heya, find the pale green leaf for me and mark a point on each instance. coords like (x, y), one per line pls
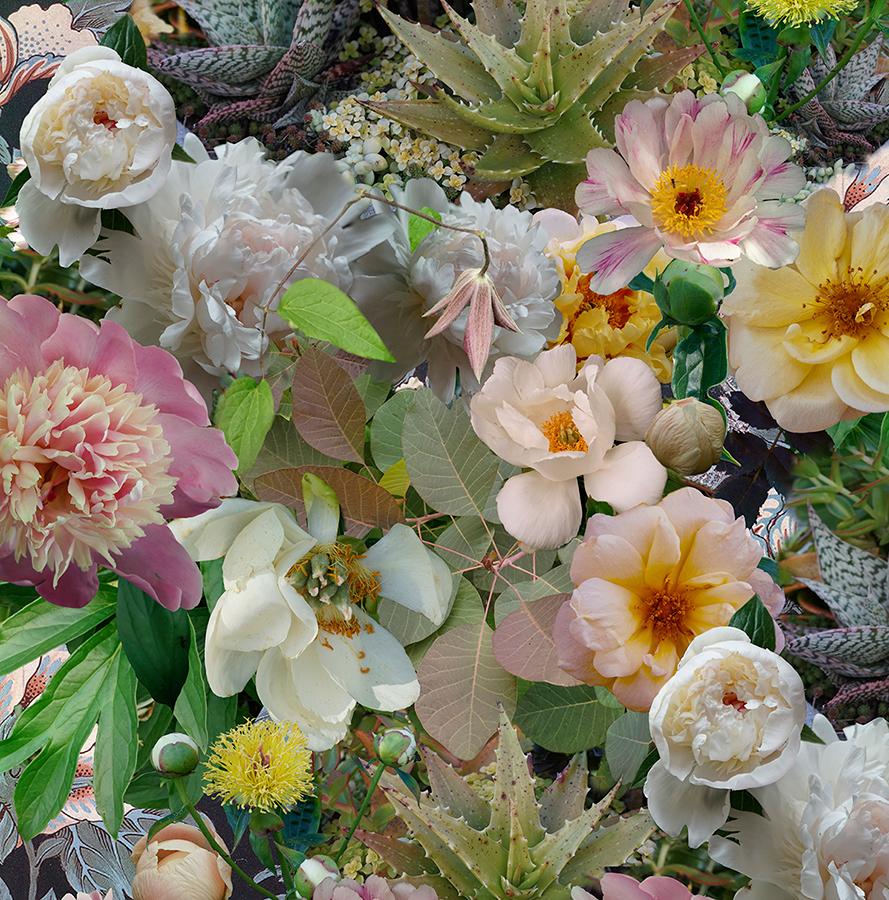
(191, 705)
(245, 414)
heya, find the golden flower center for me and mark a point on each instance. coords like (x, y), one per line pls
(665, 612)
(617, 306)
(563, 434)
(688, 201)
(851, 305)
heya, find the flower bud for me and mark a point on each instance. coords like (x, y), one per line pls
(396, 747)
(313, 871)
(687, 436)
(693, 291)
(748, 87)
(265, 823)
(175, 755)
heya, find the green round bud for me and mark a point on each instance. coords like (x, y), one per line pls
(693, 291)
(748, 87)
(265, 823)
(396, 746)
(175, 755)
(313, 871)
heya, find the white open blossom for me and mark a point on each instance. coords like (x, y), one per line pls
(100, 138)
(825, 830)
(407, 282)
(201, 275)
(729, 719)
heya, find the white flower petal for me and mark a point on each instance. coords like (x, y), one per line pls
(46, 223)
(538, 512)
(635, 394)
(629, 475)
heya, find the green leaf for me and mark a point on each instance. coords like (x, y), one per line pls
(627, 744)
(116, 744)
(191, 705)
(756, 622)
(700, 361)
(180, 154)
(321, 310)
(44, 786)
(211, 575)
(155, 641)
(843, 431)
(124, 38)
(41, 627)
(419, 228)
(386, 428)
(566, 719)
(115, 220)
(808, 734)
(245, 414)
(12, 193)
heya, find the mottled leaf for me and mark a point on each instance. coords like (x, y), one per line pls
(627, 744)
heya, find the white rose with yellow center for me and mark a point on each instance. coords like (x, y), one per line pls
(730, 719)
(100, 138)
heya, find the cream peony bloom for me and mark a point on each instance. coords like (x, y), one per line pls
(648, 582)
(825, 830)
(561, 424)
(728, 720)
(293, 614)
(812, 339)
(100, 138)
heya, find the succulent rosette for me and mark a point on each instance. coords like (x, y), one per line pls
(101, 441)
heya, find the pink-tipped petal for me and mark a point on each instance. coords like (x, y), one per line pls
(479, 331)
(618, 257)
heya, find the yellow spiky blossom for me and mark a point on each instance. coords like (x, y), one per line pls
(801, 12)
(260, 765)
(606, 325)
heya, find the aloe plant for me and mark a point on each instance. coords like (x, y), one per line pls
(534, 91)
(511, 846)
(855, 587)
(263, 55)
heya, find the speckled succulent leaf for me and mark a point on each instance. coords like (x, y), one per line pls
(858, 115)
(506, 158)
(569, 140)
(854, 693)
(500, 18)
(226, 21)
(653, 71)
(609, 847)
(849, 609)
(513, 846)
(594, 16)
(859, 75)
(313, 21)
(858, 652)
(434, 118)
(220, 65)
(857, 578)
(276, 20)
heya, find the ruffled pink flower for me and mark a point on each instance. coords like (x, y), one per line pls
(705, 181)
(375, 888)
(622, 887)
(101, 441)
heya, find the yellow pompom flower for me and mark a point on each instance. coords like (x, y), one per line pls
(606, 325)
(801, 12)
(260, 765)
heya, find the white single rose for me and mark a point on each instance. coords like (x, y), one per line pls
(729, 719)
(100, 138)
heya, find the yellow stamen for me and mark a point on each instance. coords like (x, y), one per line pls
(563, 434)
(665, 612)
(688, 201)
(617, 306)
(850, 305)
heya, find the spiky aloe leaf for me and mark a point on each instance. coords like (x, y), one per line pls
(653, 71)
(569, 140)
(454, 794)
(564, 798)
(514, 785)
(226, 21)
(499, 18)
(609, 847)
(595, 16)
(858, 652)
(433, 117)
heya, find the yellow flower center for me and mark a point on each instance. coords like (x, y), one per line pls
(851, 305)
(798, 12)
(617, 306)
(688, 201)
(563, 434)
(665, 612)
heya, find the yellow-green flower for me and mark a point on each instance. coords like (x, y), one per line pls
(800, 12)
(260, 765)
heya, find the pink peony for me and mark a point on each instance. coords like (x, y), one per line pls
(623, 887)
(704, 180)
(101, 440)
(375, 888)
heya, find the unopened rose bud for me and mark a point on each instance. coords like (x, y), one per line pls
(313, 871)
(687, 436)
(693, 291)
(175, 755)
(396, 747)
(748, 87)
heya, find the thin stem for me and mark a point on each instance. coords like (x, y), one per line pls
(863, 32)
(283, 864)
(361, 810)
(700, 30)
(217, 847)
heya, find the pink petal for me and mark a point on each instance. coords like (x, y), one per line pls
(74, 341)
(113, 355)
(772, 242)
(608, 185)
(621, 887)
(641, 143)
(160, 381)
(479, 329)
(159, 565)
(19, 346)
(75, 587)
(618, 257)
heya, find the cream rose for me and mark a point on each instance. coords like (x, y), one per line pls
(729, 719)
(100, 138)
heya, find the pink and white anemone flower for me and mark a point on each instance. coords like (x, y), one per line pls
(101, 440)
(705, 181)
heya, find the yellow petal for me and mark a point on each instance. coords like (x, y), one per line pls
(825, 235)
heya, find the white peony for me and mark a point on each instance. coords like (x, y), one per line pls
(825, 834)
(729, 719)
(293, 612)
(408, 283)
(562, 424)
(100, 138)
(200, 276)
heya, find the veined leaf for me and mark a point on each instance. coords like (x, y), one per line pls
(245, 414)
(126, 40)
(627, 745)
(191, 705)
(386, 428)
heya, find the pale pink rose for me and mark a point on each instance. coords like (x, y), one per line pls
(374, 888)
(95, 895)
(101, 440)
(704, 180)
(179, 864)
(649, 581)
(622, 887)
(562, 424)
